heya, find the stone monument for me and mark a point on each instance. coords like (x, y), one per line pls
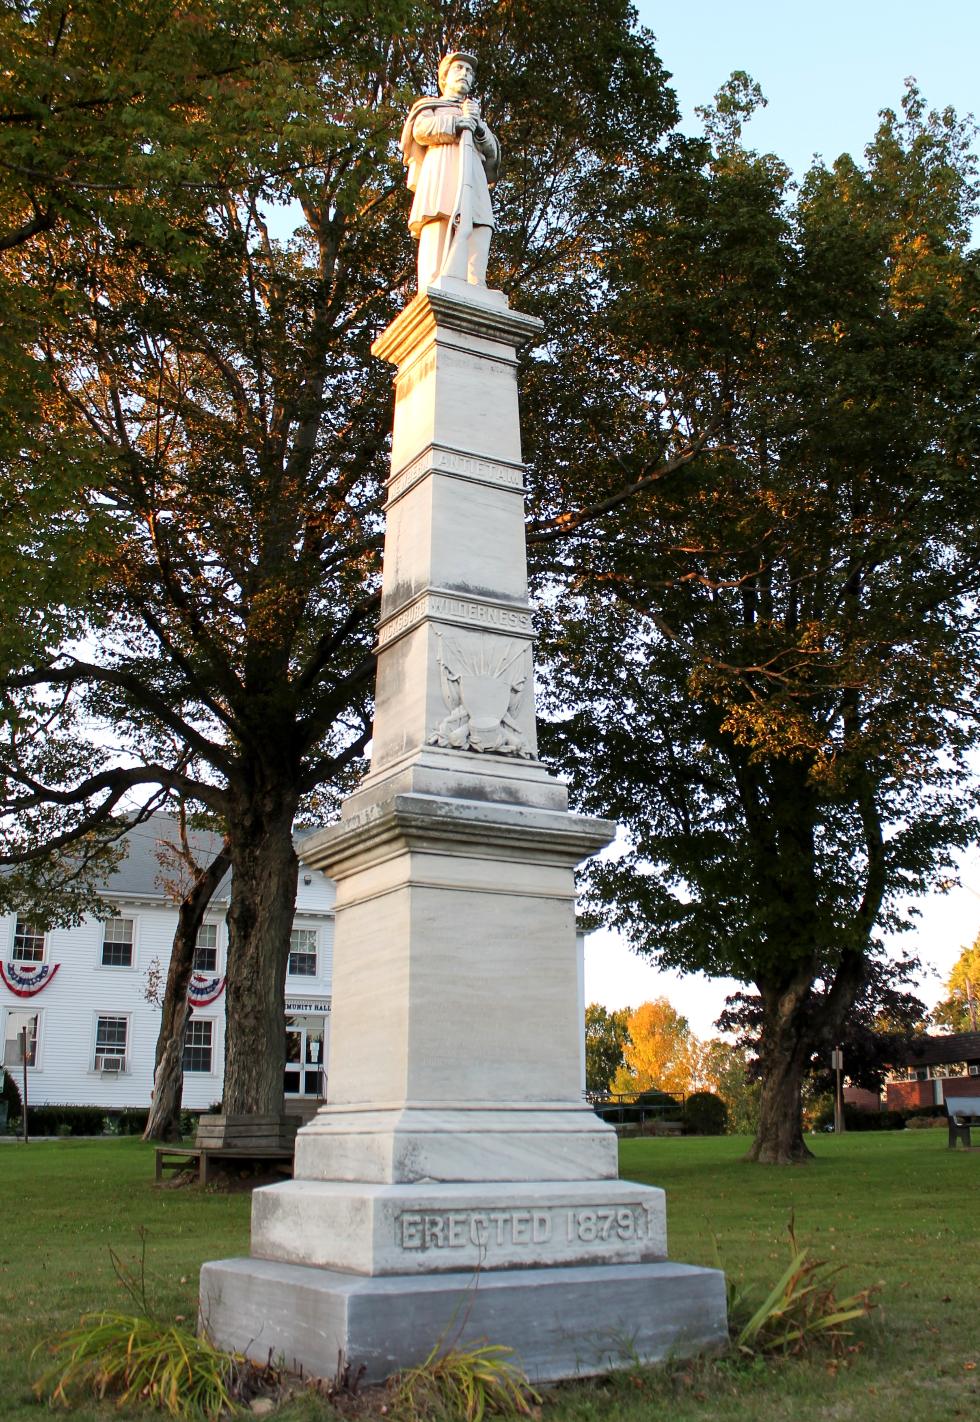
(456, 1184)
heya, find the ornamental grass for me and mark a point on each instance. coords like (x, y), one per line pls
(801, 1309)
(138, 1360)
(462, 1385)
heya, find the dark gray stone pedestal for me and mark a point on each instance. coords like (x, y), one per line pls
(560, 1322)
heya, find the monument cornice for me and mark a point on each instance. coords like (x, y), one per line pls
(436, 309)
(461, 827)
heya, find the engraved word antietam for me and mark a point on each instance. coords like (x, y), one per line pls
(466, 466)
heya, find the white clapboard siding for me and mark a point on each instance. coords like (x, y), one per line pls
(83, 989)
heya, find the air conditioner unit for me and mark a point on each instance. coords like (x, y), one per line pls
(974, 1069)
(110, 1066)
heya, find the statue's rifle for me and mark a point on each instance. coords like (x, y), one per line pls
(461, 228)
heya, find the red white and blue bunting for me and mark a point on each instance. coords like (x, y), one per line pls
(26, 979)
(204, 989)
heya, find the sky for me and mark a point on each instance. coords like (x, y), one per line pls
(826, 69)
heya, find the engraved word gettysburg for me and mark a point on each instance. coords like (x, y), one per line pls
(456, 1139)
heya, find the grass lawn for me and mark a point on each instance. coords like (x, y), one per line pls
(895, 1207)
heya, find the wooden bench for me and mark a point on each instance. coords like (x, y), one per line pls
(206, 1157)
(963, 1112)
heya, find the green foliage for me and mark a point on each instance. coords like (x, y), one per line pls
(856, 1120)
(606, 1039)
(772, 653)
(80, 1120)
(800, 1312)
(705, 1114)
(727, 1070)
(660, 1103)
(132, 1121)
(195, 475)
(10, 1092)
(912, 1113)
(462, 1384)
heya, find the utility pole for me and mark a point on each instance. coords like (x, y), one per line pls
(837, 1063)
(23, 1057)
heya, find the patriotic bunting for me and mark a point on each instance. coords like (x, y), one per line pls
(26, 979)
(204, 989)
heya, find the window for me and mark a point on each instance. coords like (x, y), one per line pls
(117, 943)
(206, 952)
(302, 953)
(110, 1044)
(13, 1039)
(28, 942)
(197, 1044)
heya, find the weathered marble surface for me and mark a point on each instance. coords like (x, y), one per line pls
(561, 1323)
(452, 160)
(430, 1227)
(456, 1172)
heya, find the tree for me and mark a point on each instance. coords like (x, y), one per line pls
(958, 1012)
(726, 1069)
(883, 1020)
(209, 390)
(606, 1040)
(766, 670)
(658, 1053)
(198, 884)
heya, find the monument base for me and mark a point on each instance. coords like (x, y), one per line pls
(560, 1322)
(442, 1228)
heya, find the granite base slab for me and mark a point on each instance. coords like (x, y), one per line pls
(560, 1322)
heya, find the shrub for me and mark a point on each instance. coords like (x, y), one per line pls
(10, 1092)
(132, 1121)
(659, 1103)
(857, 1120)
(873, 1120)
(925, 1123)
(81, 1120)
(705, 1114)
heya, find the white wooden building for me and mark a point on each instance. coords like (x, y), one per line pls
(84, 993)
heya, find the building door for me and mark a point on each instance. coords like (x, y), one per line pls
(304, 1056)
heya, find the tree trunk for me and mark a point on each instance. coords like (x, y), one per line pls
(260, 919)
(163, 1123)
(779, 1135)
